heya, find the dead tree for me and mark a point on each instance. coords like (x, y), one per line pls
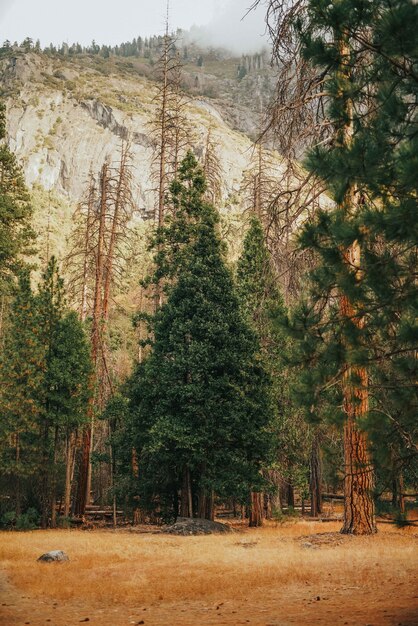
(170, 130)
(169, 126)
(212, 170)
(256, 509)
(97, 265)
(122, 209)
(84, 478)
(259, 183)
(79, 262)
(315, 475)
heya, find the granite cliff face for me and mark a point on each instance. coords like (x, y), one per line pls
(64, 118)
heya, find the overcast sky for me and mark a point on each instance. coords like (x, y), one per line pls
(114, 21)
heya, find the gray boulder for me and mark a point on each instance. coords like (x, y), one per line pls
(55, 556)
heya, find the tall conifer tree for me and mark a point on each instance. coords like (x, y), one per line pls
(22, 370)
(15, 211)
(200, 400)
(44, 372)
(356, 330)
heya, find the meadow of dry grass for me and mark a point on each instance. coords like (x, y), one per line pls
(294, 573)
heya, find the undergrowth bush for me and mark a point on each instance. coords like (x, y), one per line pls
(29, 520)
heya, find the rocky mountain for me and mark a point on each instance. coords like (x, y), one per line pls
(67, 114)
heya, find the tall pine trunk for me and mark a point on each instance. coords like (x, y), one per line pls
(45, 476)
(359, 516)
(206, 509)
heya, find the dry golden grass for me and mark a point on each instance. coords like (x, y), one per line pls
(126, 568)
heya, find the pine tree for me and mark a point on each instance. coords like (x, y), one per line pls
(45, 368)
(16, 234)
(65, 391)
(257, 289)
(22, 370)
(356, 331)
(264, 307)
(200, 400)
(388, 148)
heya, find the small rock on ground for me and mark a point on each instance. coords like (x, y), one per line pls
(56, 556)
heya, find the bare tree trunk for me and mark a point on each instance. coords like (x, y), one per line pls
(201, 506)
(86, 251)
(112, 486)
(122, 196)
(83, 492)
(54, 481)
(69, 469)
(401, 494)
(212, 170)
(45, 484)
(315, 478)
(358, 483)
(395, 492)
(267, 510)
(186, 503)
(276, 505)
(358, 471)
(18, 495)
(256, 509)
(90, 466)
(210, 506)
(398, 498)
(359, 516)
(290, 495)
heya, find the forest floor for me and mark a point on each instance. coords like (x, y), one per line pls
(299, 573)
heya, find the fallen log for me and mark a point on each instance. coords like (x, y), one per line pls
(332, 496)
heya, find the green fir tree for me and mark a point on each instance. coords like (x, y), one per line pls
(16, 234)
(44, 372)
(22, 371)
(266, 312)
(200, 401)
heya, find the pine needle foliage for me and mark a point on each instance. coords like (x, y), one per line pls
(375, 95)
(16, 234)
(200, 400)
(44, 373)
